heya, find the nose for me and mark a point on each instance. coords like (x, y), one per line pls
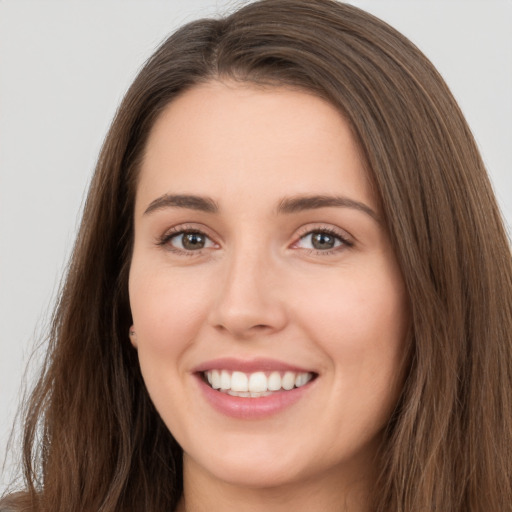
(250, 301)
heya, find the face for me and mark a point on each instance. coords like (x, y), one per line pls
(268, 308)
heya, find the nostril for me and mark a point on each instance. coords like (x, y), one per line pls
(248, 331)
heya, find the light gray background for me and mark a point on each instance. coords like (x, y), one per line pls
(64, 66)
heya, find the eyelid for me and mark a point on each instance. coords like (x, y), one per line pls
(174, 231)
(347, 241)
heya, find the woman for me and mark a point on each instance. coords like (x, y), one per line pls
(291, 288)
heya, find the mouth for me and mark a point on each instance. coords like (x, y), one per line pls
(253, 389)
(255, 384)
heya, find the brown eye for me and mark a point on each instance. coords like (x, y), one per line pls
(190, 241)
(193, 241)
(323, 241)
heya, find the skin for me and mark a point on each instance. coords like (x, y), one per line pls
(260, 289)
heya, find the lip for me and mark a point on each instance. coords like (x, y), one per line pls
(249, 365)
(246, 408)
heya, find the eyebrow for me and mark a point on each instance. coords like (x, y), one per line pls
(285, 206)
(301, 203)
(190, 202)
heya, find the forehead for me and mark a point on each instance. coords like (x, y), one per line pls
(224, 139)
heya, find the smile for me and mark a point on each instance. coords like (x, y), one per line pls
(255, 384)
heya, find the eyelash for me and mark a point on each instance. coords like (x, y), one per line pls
(345, 242)
(164, 240)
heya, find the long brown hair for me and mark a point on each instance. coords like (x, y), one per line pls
(93, 440)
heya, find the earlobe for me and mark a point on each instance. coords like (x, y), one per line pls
(133, 337)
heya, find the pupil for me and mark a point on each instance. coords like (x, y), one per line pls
(322, 241)
(193, 241)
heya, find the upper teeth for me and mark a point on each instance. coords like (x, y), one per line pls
(257, 382)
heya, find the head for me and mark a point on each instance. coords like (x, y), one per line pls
(260, 252)
(422, 170)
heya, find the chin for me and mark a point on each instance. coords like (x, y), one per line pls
(250, 469)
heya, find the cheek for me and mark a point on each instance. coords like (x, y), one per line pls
(167, 314)
(167, 310)
(166, 318)
(360, 320)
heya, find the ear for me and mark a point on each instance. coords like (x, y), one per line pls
(133, 336)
